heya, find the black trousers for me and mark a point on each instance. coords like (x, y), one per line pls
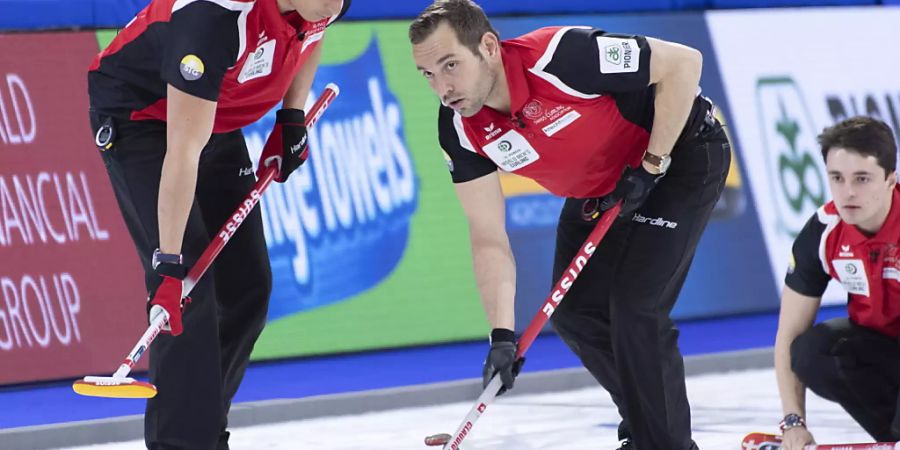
(198, 372)
(616, 315)
(856, 367)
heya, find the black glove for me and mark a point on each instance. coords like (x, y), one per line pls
(287, 146)
(633, 188)
(502, 359)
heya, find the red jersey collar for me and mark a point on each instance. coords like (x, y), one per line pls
(886, 233)
(515, 82)
(515, 78)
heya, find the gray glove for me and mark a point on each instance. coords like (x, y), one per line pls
(502, 359)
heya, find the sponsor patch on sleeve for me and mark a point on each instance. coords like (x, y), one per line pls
(191, 67)
(618, 55)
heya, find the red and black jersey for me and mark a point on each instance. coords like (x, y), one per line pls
(581, 110)
(243, 54)
(867, 266)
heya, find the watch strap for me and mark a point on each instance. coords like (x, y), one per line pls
(791, 421)
(164, 258)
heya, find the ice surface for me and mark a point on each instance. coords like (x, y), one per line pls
(725, 407)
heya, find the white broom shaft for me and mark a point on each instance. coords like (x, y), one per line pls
(160, 316)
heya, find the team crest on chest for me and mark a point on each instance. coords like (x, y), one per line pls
(552, 117)
(533, 110)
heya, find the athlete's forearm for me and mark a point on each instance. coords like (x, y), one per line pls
(790, 388)
(495, 274)
(176, 195)
(188, 128)
(675, 92)
(797, 314)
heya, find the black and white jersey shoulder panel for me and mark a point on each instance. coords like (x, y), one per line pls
(464, 161)
(830, 221)
(540, 67)
(808, 272)
(587, 62)
(202, 41)
(464, 141)
(243, 8)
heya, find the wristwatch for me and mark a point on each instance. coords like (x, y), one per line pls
(791, 421)
(164, 258)
(660, 162)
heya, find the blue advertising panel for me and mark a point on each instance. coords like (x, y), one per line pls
(344, 226)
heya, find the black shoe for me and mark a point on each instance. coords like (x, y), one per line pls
(624, 437)
(223, 441)
(625, 444)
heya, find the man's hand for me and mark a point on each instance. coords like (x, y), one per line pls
(633, 188)
(502, 359)
(287, 146)
(796, 438)
(168, 294)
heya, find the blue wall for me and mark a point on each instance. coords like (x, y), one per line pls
(43, 14)
(55, 14)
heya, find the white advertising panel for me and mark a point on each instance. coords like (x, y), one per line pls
(789, 73)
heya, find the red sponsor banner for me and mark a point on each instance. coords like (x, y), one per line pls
(71, 295)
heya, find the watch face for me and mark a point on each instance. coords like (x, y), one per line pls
(792, 421)
(664, 163)
(661, 162)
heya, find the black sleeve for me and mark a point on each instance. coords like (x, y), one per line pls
(202, 42)
(806, 275)
(593, 61)
(465, 165)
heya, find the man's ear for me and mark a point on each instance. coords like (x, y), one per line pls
(490, 46)
(892, 178)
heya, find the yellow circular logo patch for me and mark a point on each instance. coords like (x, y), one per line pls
(191, 67)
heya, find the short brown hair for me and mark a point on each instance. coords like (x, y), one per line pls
(465, 17)
(863, 135)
